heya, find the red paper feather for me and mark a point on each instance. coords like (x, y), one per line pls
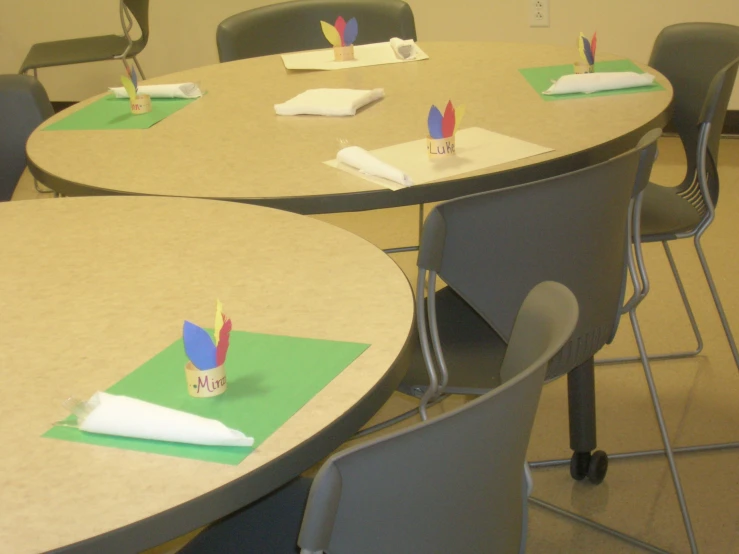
(340, 25)
(222, 348)
(448, 123)
(593, 43)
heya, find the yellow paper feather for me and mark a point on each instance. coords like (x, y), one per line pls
(581, 47)
(219, 321)
(459, 112)
(331, 34)
(128, 85)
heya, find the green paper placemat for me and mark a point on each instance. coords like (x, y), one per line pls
(115, 113)
(540, 78)
(270, 377)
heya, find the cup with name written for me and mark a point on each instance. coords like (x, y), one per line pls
(341, 35)
(141, 104)
(441, 142)
(205, 373)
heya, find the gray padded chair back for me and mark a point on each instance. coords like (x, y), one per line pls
(140, 11)
(23, 106)
(690, 55)
(491, 248)
(295, 26)
(453, 483)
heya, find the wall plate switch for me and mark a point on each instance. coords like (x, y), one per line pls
(538, 13)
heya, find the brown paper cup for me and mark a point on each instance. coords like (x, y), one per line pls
(441, 148)
(205, 383)
(141, 105)
(344, 53)
(583, 67)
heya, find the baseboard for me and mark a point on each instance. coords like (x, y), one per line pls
(731, 123)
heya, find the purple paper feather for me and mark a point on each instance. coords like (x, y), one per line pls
(435, 123)
(588, 51)
(199, 347)
(350, 31)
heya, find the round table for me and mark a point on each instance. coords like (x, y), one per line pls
(231, 145)
(93, 287)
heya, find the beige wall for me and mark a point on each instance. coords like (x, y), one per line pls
(626, 27)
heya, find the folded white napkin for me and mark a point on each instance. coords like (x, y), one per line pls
(129, 417)
(180, 90)
(329, 101)
(366, 163)
(404, 49)
(595, 82)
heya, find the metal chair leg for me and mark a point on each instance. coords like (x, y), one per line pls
(716, 299)
(663, 431)
(138, 66)
(39, 189)
(693, 324)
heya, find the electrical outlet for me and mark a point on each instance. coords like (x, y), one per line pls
(538, 13)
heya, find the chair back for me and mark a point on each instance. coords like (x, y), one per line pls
(140, 11)
(690, 55)
(492, 248)
(24, 105)
(295, 26)
(454, 483)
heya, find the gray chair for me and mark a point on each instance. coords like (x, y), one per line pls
(691, 56)
(24, 105)
(95, 49)
(452, 484)
(295, 26)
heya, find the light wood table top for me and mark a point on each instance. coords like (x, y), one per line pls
(231, 145)
(93, 287)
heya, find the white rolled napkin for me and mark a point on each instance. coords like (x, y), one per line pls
(404, 49)
(179, 90)
(110, 414)
(329, 101)
(366, 163)
(596, 82)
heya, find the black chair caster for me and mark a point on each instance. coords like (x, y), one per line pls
(593, 466)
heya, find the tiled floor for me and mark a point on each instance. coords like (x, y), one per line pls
(700, 396)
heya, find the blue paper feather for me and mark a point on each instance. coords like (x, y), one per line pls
(134, 79)
(351, 31)
(588, 51)
(435, 123)
(199, 346)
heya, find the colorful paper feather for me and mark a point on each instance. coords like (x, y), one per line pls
(219, 321)
(593, 44)
(199, 347)
(222, 348)
(459, 116)
(128, 85)
(351, 31)
(340, 25)
(586, 52)
(435, 123)
(342, 33)
(449, 122)
(331, 34)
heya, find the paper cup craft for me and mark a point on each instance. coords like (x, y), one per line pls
(440, 142)
(341, 35)
(205, 373)
(586, 63)
(140, 103)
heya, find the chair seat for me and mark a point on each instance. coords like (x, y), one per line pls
(665, 213)
(77, 50)
(468, 343)
(270, 525)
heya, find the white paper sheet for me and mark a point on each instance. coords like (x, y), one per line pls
(476, 149)
(365, 55)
